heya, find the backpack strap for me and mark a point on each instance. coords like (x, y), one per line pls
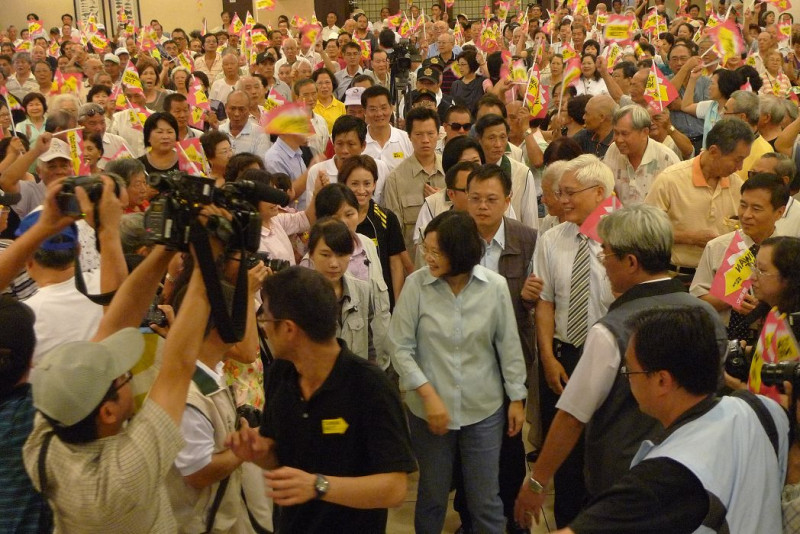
(212, 512)
(763, 415)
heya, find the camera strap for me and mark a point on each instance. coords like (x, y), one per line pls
(762, 412)
(102, 299)
(231, 326)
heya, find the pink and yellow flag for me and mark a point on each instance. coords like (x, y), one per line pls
(606, 207)
(291, 118)
(776, 343)
(727, 39)
(734, 277)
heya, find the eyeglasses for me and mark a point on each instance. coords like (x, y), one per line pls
(570, 194)
(459, 189)
(435, 254)
(762, 274)
(489, 201)
(603, 255)
(626, 373)
(460, 126)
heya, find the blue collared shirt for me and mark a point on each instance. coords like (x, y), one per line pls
(466, 345)
(493, 249)
(282, 158)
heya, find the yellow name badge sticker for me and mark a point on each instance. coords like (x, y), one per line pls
(398, 155)
(334, 426)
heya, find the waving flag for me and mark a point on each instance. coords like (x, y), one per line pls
(458, 34)
(572, 70)
(606, 207)
(366, 48)
(727, 39)
(274, 100)
(567, 52)
(502, 9)
(617, 29)
(198, 103)
(288, 119)
(405, 28)
(651, 22)
(659, 91)
(776, 343)
(311, 33)
(488, 39)
(614, 53)
(66, 83)
(130, 79)
(536, 96)
(709, 7)
(236, 25)
(191, 157)
(265, 4)
(76, 153)
(35, 29)
(394, 21)
(734, 277)
(784, 30)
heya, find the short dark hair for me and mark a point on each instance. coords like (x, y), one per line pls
(323, 70)
(562, 149)
(330, 198)
(15, 357)
(358, 162)
(421, 115)
(488, 172)
(695, 363)
(491, 99)
(374, 92)
(363, 78)
(455, 147)
(458, 239)
(34, 96)
(455, 108)
(306, 298)
(55, 259)
(488, 121)
(452, 173)
(471, 57)
(728, 81)
(210, 140)
(97, 140)
(778, 192)
(628, 69)
(97, 89)
(152, 122)
(239, 162)
(173, 97)
(350, 44)
(786, 258)
(348, 123)
(727, 133)
(335, 234)
(299, 84)
(385, 38)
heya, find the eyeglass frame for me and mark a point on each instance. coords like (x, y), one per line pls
(623, 370)
(460, 126)
(558, 193)
(758, 272)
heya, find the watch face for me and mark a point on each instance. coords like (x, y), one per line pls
(321, 486)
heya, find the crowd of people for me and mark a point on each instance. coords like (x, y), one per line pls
(437, 276)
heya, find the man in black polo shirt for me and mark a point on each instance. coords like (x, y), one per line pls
(332, 422)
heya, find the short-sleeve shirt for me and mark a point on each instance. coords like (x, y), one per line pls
(632, 185)
(383, 228)
(683, 193)
(352, 426)
(114, 484)
(396, 149)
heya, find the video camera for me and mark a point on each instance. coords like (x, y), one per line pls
(181, 196)
(93, 185)
(737, 364)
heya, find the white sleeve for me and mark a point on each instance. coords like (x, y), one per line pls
(529, 206)
(703, 108)
(590, 383)
(198, 434)
(541, 269)
(704, 275)
(311, 180)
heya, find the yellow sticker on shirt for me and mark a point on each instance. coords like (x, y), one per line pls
(334, 426)
(398, 155)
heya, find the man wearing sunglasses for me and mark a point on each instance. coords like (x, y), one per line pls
(92, 117)
(637, 243)
(457, 122)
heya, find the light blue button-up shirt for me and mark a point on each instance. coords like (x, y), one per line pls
(282, 158)
(493, 249)
(466, 345)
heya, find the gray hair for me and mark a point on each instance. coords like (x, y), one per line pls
(552, 174)
(640, 118)
(746, 102)
(22, 56)
(125, 168)
(132, 232)
(55, 104)
(772, 107)
(589, 171)
(727, 133)
(642, 230)
(785, 166)
(790, 108)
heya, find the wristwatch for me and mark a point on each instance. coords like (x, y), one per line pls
(535, 486)
(321, 486)
(671, 129)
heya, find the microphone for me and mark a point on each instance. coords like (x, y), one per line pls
(259, 192)
(9, 199)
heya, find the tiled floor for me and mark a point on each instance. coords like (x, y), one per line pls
(401, 520)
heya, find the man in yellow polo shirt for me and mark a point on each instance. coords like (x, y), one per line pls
(701, 196)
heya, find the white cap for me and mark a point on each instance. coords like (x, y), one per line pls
(352, 97)
(121, 50)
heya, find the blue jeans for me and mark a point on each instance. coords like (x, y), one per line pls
(479, 448)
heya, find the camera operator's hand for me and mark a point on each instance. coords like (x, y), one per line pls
(169, 313)
(734, 383)
(109, 208)
(52, 221)
(209, 213)
(256, 277)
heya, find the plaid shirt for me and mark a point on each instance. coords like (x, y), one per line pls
(20, 505)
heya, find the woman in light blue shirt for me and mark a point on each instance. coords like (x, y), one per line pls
(455, 345)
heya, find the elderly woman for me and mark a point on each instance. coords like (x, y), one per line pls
(35, 105)
(154, 94)
(454, 342)
(133, 174)
(160, 137)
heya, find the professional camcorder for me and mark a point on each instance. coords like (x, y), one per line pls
(181, 196)
(93, 185)
(737, 364)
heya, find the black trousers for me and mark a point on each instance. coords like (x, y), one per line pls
(570, 487)
(512, 472)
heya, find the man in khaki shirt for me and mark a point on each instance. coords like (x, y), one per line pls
(701, 195)
(418, 176)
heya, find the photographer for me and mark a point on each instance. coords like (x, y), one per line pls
(64, 313)
(99, 474)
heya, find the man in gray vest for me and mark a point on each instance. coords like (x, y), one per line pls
(637, 243)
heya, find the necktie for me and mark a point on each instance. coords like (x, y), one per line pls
(739, 325)
(578, 313)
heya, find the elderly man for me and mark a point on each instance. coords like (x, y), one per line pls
(177, 105)
(22, 81)
(745, 105)
(575, 295)
(245, 135)
(111, 65)
(53, 162)
(714, 454)
(290, 50)
(633, 157)
(783, 167)
(492, 133)
(446, 42)
(702, 194)
(764, 198)
(439, 28)
(772, 113)
(662, 130)
(597, 134)
(682, 59)
(637, 243)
